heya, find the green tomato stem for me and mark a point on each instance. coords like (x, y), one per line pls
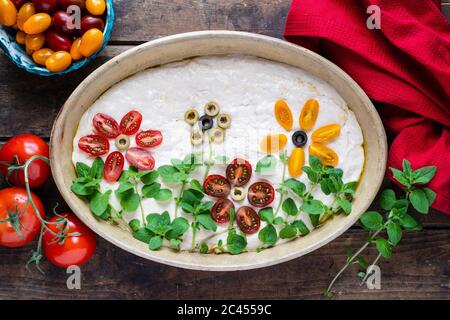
(283, 177)
(177, 202)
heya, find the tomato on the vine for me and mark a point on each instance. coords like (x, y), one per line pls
(17, 213)
(73, 249)
(18, 150)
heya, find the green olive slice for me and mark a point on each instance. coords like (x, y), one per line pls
(212, 109)
(224, 120)
(217, 135)
(191, 116)
(196, 137)
(237, 194)
(122, 142)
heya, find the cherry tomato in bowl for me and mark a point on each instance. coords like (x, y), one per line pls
(221, 210)
(239, 172)
(216, 186)
(74, 249)
(15, 201)
(140, 158)
(260, 194)
(131, 122)
(149, 138)
(105, 125)
(248, 220)
(113, 166)
(47, 6)
(94, 145)
(21, 148)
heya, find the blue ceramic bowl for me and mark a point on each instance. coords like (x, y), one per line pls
(17, 53)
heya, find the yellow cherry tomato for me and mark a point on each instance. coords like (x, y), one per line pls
(283, 115)
(326, 133)
(34, 41)
(58, 61)
(96, 7)
(25, 12)
(75, 50)
(8, 13)
(42, 55)
(91, 42)
(20, 37)
(309, 114)
(273, 143)
(327, 156)
(296, 162)
(37, 23)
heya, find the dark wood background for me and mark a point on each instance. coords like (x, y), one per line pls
(420, 267)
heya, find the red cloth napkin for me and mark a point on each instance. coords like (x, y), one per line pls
(404, 67)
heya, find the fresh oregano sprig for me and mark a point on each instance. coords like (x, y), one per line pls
(386, 229)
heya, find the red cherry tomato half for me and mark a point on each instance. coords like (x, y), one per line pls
(131, 123)
(66, 3)
(58, 41)
(220, 212)
(260, 194)
(74, 250)
(239, 172)
(216, 186)
(113, 166)
(23, 147)
(91, 22)
(105, 125)
(61, 21)
(93, 144)
(248, 220)
(149, 138)
(140, 158)
(14, 200)
(47, 6)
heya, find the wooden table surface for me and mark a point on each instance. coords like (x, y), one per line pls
(420, 267)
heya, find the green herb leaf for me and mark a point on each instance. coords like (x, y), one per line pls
(313, 176)
(143, 234)
(96, 170)
(372, 220)
(130, 203)
(99, 203)
(301, 226)
(289, 207)
(278, 221)
(171, 174)
(314, 219)
(266, 165)
(207, 222)
(288, 232)
(419, 200)
(400, 177)
(383, 247)
(235, 243)
(314, 207)
(151, 190)
(315, 163)
(149, 177)
(82, 169)
(345, 205)
(179, 227)
(350, 187)
(387, 199)
(155, 243)
(204, 248)
(195, 184)
(163, 195)
(268, 235)
(134, 225)
(394, 232)
(431, 195)
(296, 186)
(266, 214)
(409, 222)
(424, 175)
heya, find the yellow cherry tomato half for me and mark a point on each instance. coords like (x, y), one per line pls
(25, 12)
(20, 37)
(37, 23)
(283, 114)
(309, 114)
(41, 56)
(34, 41)
(75, 50)
(8, 13)
(327, 156)
(96, 7)
(296, 162)
(326, 133)
(273, 143)
(58, 61)
(91, 42)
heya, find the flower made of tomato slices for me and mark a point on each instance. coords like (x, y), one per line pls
(321, 136)
(106, 128)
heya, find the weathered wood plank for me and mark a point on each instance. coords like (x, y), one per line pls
(419, 269)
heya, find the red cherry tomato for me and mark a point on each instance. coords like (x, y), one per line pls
(220, 212)
(239, 172)
(216, 186)
(93, 144)
(140, 158)
(47, 6)
(130, 123)
(105, 125)
(90, 22)
(61, 21)
(58, 41)
(66, 3)
(248, 220)
(15, 200)
(113, 166)
(74, 250)
(149, 138)
(260, 194)
(23, 147)
(18, 3)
